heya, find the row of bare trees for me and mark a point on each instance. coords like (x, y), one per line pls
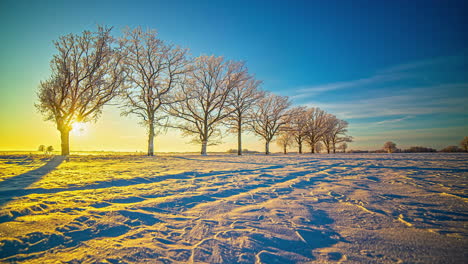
(165, 88)
(314, 127)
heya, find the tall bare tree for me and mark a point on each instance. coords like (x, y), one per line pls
(86, 74)
(241, 100)
(268, 116)
(315, 126)
(298, 125)
(202, 99)
(343, 146)
(154, 69)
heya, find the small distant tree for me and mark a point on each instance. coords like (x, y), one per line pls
(49, 149)
(285, 140)
(86, 74)
(338, 134)
(334, 132)
(41, 148)
(464, 144)
(389, 147)
(269, 115)
(343, 147)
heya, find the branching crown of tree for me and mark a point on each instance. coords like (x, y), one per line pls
(298, 124)
(86, 74)
(315, 126)
(269, 115)
(389, 146)
(335, 132)
(154, 69)
(241, 100)
(202, 99)
(284, 140)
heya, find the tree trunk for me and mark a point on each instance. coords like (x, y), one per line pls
(151, 140)
(334, 148)
(284, 149)
(65, 138)
(312, 149)
(203, 147)
(267, 147)
(239, 138)
(300, 147)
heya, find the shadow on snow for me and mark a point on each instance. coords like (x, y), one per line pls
(16, 185)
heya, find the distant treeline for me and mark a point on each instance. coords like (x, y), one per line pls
(416, 149)
(391, 147)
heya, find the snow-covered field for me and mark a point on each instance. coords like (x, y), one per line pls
(350, 208)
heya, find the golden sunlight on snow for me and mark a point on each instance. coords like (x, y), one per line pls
(343, 208)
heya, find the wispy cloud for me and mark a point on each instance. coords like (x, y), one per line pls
(423, 64)
(417, 70)
(409, 102)
(392, 121)
(308, 91)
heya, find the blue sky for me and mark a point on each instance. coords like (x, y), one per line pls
(394, 69)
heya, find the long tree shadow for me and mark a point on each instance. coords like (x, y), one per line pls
(12, 187)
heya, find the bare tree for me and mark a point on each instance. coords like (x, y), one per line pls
(330, 122)
(314, 128)
(464, 144)
(241, 100)
(335, 132)
(202, 99)
(285, 139)
(86, 74)
(268, 116)
(153, 70)
(41, 148)
(318, 147)
(343, 146)
(49, 149)
(298, 125)
(389, 147)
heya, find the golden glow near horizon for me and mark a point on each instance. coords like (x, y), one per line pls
(26, 130)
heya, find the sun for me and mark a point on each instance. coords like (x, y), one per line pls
(79, 129)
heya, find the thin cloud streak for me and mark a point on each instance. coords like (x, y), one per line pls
(382, 77)
(414, 102)
(318, 89)
(392, 121)
(422, 64)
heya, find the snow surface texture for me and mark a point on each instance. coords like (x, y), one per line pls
(343, 208)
